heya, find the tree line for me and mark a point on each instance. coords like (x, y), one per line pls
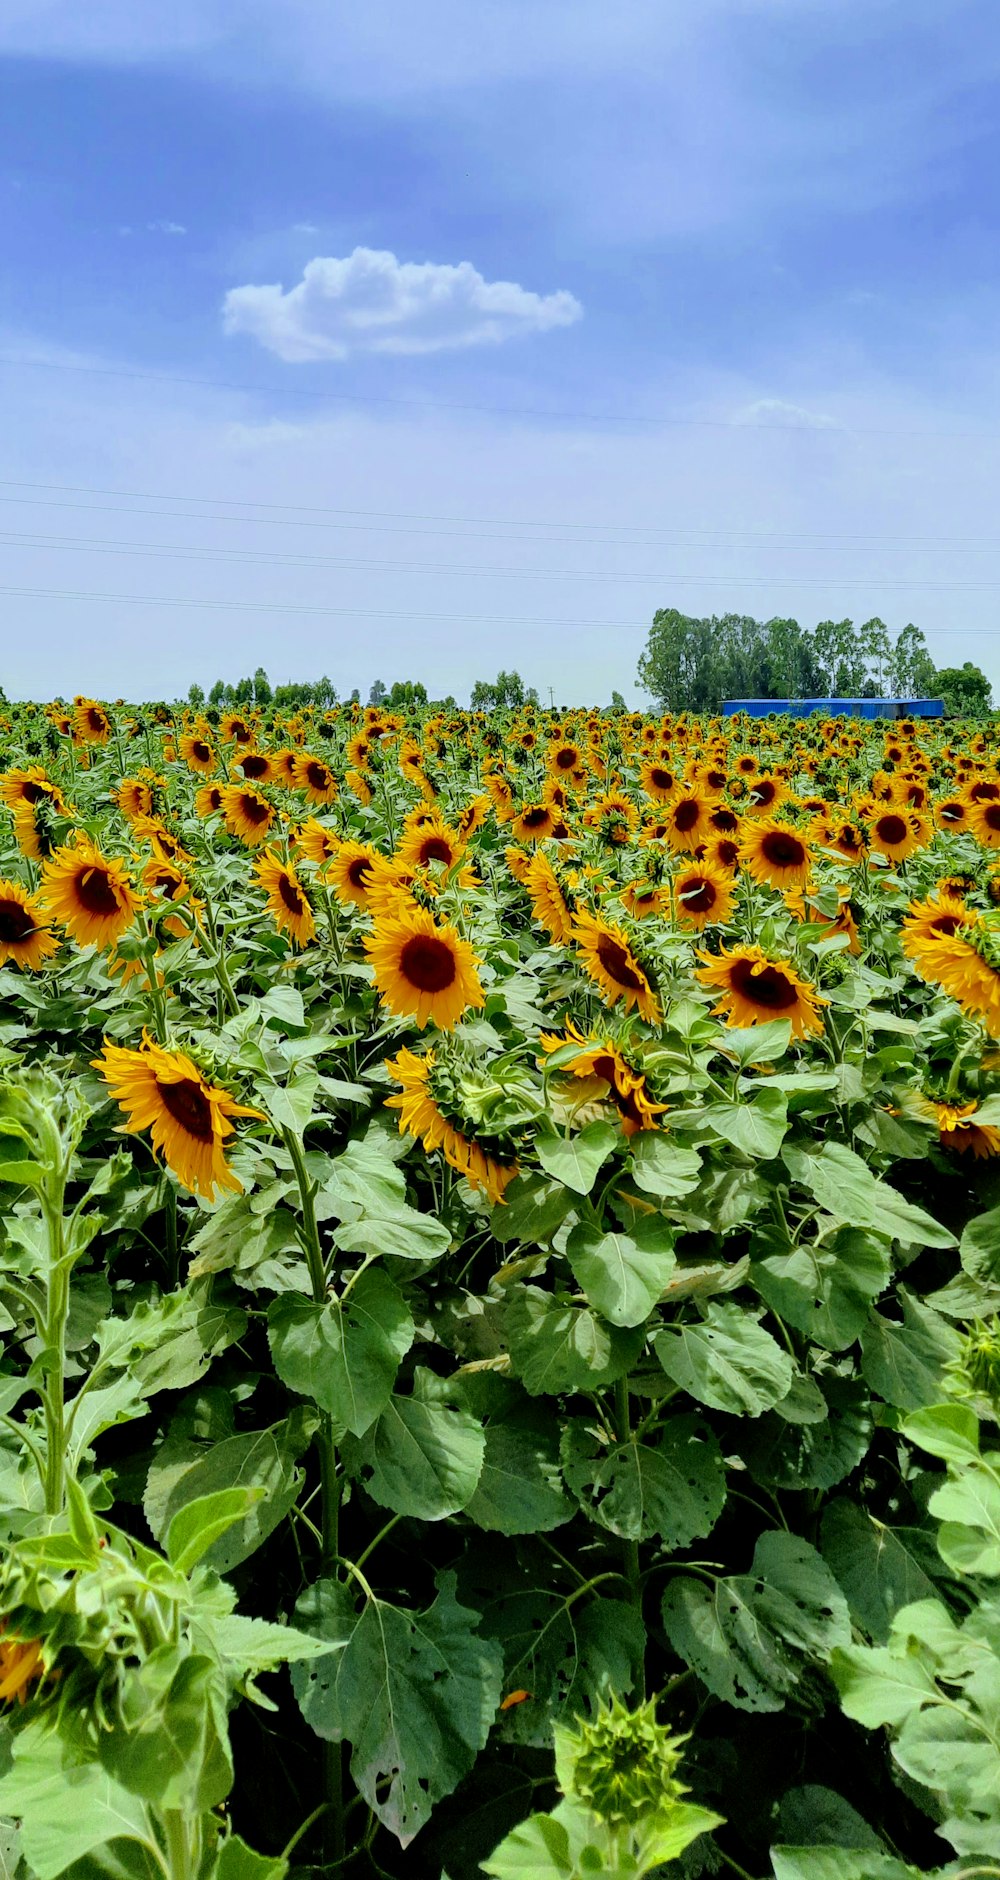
(694, 664)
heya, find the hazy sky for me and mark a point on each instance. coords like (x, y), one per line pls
(421, 337)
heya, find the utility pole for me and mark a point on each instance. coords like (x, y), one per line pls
(551, 700)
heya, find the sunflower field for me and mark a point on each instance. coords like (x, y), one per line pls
(499, 1291)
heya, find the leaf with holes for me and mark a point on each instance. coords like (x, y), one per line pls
(673, 1487)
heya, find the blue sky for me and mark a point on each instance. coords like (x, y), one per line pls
(418, 339)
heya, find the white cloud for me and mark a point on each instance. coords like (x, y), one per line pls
(370, 301)
(780, 414)
(166, 228)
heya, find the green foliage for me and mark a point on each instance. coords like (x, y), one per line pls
(694, 664)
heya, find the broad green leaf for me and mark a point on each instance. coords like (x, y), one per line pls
(756, 1128)
(265, 1460)
(947, 1430)
(575, 1160)
(843, 1184)
(661, 1167)
(556, 1345)
(979, 1248)
(840, 1863)
(415, 1694)
(169, 1343)
(174, 1747)
(878, 1568)
(816, 1816)
(727, 1361)
(622, 1275)
(968, 1507)
(237, 1861)
(877, 1686)
(533, 1207)
(66, 1808)
(568, 1658)
(195, 1526)
(747, 1636)
(344, 1356)
(757, 1044)
(817, 1454)
(290, 1106)
(823, 1289)
(401, 1233)
(254, 1645)
(424, 1454)
(905, 1362)
(520, 1489)
(673, 1486)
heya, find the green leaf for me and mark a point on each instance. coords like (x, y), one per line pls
(264, 1460)
(979, 1247)
(622, 1275)
(828, 1863)
(816, 1816)
(195, 1526)
(661, 1167)
(424, 1455)
(575, 1160)
(415, 1694)
(845, 1187)
(905, 1362)
(173, 1748)
(531, 1210)
(344, 1356)
(291, 1106)
(727, 1361)
(811, 1455)
(747, 1636)
(878, 1568)
(877, 1686)
(520, 1489)
(756, 1128)
(673, 1487)
(823, 1289)
(66, 1808)
(237, 1861)
(947, 1430)
(968, 1507)
(556, 1345)
(757, 1044)
(399, 1233)
(567, 1658)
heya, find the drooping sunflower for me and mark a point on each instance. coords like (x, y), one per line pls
(702, 895)
(189, 1119)
(421, 1118)
(318, 843)
(984, 822)
(28, 786)
(642, 898)
(287, 901)
(961, 964)
(315, 778)
(423, 971)
(612, 965)
(33, 831)
(548, 902)
(21, 1665)
(601, 1064)
(844, 838)
(25, 936)
(473, 817)
(518, 861)
(90, 894)
(776, 854)
(350, 872)
(208, 800)
(248, 815)
(959, 1131)
(91, 724)
(359, 786)
(283, 766)
(197, 753)
(164, 879)
(501, 796)
(753, 989)
(135, 798)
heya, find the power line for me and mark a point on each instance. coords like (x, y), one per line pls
(250, 558)
(663, 420)
(406, 613)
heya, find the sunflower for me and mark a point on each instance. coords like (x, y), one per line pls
(548, 902)
(501, 796)
(283, 767)
(351, 870)
(91, 724)
(33, 830)
(722, 852)
(951, 813)
(433, 841)
(90, 894)
(208, 800)
(601, 1063)
(287, 901)
(937, 918)
(608, 958)
(421, 1118)
(248, 815)
(959, 964)
(894, 834)
(316, 779)
(642, 898)
(234, 729)
(843, 837)
(25, 936)
(318, 843)
(359, 786)
(473, 817)
(984, 822)
(657, 781)
(765, 794)
(959, 1131)
(534, 822)
(21, 1663)
(165, 879)
(423, 971)
(189, 1118)
(774, 853)
(254, 767)
(753, 989)
(564, 758)
(197, 753)
(135, 798)
(162, 840)
(686, 820)
(28, 786)
(518, 861)
(702, 895)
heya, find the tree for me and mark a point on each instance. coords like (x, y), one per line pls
(679, 665)
(355, 698)
(912, 673)
(196, 697)
(217, 694)
(324, 691)
(840, 659)
(242, 691)
(377, 693)
(262, 692)
(966, 690)
(618, 703)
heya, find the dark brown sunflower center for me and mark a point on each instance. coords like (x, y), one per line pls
(188, 1105)
(566, 758)
(724, 819)
(255, 765)
(699, 895)
(783, 850)
(947, 924)
(765, 791)
(215, 796)
(952, 812)
(318, 776)
(847, 837)
(436, 849)
(290, 895)
(15, 924)
(984, 791)
(201, 751)
(765, 986)
(255, 809)
(96, 720)
(534, 818)
(891, 829)
(686, 815)
(728, 853)
(661, 779)
(95, 892)
(359, 872)
(32, 792)
(617, 965)
(240, 732)
(991, 816)
(427, 963)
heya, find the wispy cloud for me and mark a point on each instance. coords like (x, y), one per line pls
(371, 302)
(166, 228)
